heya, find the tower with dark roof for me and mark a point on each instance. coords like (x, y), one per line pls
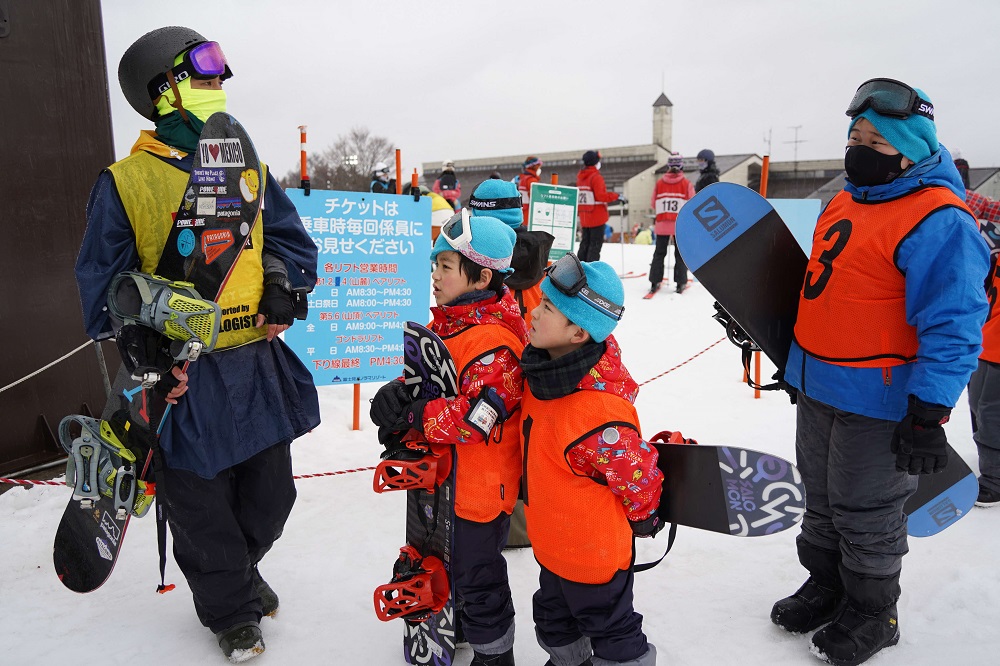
(663, 122)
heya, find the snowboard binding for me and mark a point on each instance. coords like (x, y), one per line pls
(100, 465)
(172, 308)
(412, 465)
(418, 589)
(734, 331)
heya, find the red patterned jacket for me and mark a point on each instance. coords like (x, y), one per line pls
(486, 339)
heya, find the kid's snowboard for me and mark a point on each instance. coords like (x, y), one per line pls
(729, 490)
(166, 320)
(739, 248)
(420, 590)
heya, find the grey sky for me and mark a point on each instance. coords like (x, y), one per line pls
(473, 79)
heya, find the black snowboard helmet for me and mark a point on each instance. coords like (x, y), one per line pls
(151, 56)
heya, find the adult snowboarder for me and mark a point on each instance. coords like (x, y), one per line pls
(887, 334)
(381, 181)
(224, 472)
(708, 172)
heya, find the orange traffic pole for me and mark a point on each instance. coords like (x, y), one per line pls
(399, 172)
(555, 178)
(357, 407)
(302, 155)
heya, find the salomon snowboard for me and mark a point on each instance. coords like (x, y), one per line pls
(729, 490)
(420, 590)
(740, 249)
(219, 207)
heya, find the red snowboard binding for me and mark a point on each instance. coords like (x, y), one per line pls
(672, 437)
(418, 589)
(414, 465)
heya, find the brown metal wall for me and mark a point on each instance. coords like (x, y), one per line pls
(55, 137)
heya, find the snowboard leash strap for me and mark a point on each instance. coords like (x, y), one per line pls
(418, 589)
(671, 535)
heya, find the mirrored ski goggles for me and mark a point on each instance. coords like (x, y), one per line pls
(206, 60)
(458, 231)
(567, 275)
(888, 97)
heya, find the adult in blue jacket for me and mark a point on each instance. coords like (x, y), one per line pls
(886, 338)
(225, 472)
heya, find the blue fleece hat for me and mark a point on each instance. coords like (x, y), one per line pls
(603, 279)
(492, 244)
(500, 199)
(915, 137)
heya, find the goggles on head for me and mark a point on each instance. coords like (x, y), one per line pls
(457, 231)
(567, 275)
(487, 205)
(888, 97)
(206, 60)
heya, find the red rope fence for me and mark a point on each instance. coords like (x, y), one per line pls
(30, 482)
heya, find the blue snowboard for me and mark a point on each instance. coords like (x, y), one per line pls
(739, 248)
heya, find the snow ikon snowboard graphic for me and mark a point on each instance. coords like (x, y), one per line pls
(729, 490)
(739, 248)
(218, 210)
(425, 562)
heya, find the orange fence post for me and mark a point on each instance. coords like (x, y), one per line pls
(555, 178)
(399, 173)
(302, 155)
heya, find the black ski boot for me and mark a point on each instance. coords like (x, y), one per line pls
(819, 599)
(810, 607)
(867, 623)
(505, 659)
(241, 642)
(268, 598)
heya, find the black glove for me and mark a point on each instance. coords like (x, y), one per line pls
(919, 441)
(621, 200)
(277, 304)
(413, 416)
(649, 527)
(389, 403)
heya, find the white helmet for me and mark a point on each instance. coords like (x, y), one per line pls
(381, 167)
(448, 164)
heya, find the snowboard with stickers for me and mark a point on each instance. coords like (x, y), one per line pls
(111, 458)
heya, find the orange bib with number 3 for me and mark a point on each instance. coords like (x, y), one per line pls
(852, 307)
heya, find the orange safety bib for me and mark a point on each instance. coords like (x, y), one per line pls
(577, 526)
(487, 475)
(852, 307)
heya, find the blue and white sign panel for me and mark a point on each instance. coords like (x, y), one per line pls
(373, 276)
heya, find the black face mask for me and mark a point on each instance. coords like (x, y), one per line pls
(866, 166)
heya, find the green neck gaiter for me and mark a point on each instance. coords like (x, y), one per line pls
(173, 131)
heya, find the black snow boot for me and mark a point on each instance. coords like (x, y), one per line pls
(241, 642)
(268, 598)
(819, 599)
(505, 659)
(810, 607)
(867, 623)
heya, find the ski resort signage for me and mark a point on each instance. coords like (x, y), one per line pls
(372, 276)
(552, 208)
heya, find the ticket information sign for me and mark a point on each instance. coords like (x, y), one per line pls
(373, 275)
(552, 208)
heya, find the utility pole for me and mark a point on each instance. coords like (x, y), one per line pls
(795, 163)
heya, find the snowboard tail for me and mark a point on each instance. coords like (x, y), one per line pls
(729, 490)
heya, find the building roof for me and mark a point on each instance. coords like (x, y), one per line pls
(662, 101)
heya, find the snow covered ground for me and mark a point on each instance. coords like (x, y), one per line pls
(707, 603)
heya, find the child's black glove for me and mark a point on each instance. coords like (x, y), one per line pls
(919, 441)
(389, 403)
(647, 528)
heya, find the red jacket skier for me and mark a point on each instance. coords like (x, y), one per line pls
(593, 205)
